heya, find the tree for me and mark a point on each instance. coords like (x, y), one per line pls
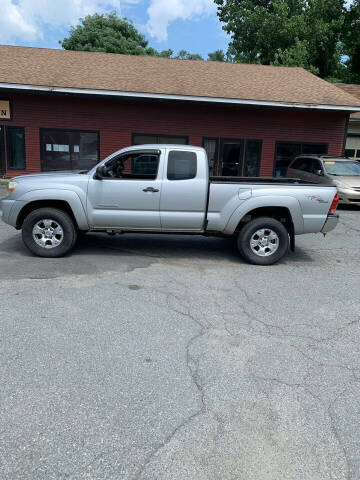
(295, 56)
(351, 42)
(286, 32)
(259, 28)
(217, 56)
(107, 33)
(184, 55)
(112, 34)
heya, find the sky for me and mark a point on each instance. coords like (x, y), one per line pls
(177, 24)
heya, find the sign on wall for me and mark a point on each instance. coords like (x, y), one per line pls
(5, 112)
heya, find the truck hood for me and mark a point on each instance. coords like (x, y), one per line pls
(50, 175)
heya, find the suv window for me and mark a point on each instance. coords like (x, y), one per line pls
(181, 165)
(315, 166)
(134, 166)
(302, 164)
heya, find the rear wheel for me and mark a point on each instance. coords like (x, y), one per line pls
(49, 232)
(263, 241)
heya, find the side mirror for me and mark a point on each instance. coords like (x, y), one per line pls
(101, 172)
(320, 173)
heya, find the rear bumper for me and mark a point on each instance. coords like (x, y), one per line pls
(330, 223)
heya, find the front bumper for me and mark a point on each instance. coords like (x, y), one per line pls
(330, 223)
(349, 196)
(6, 206)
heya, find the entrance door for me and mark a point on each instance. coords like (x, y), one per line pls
(2, 151)
(232, 153)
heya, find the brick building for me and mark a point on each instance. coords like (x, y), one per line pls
(68, 110)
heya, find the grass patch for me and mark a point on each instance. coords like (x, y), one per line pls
(3, 181)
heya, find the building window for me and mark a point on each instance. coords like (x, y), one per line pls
(181, 165)
(211, 146)
(144, 138)
(350, 153)
(252, 158)
(236, 157)
(15, 146)
(353, 146)
(285, 152)
(69, 149)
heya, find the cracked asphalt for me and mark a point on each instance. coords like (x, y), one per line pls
(169, 358)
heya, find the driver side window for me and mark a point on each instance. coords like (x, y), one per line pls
(134, 166)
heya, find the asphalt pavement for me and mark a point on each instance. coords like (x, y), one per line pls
(168, 358)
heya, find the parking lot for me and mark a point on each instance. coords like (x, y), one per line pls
(169, 358)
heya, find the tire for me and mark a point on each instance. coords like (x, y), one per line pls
(263, 241)
(49, 232)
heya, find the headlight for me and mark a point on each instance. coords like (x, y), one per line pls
(11, 186)
(340, 184)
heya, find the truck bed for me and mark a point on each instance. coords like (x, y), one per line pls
(264, 181)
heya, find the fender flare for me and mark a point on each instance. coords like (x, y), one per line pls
(291, 203)
(68, 196)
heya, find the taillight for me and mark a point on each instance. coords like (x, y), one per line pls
(334, 205)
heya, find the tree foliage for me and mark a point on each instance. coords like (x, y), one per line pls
(314, 34)
(111, 34)
(352, 42)
(107, 33)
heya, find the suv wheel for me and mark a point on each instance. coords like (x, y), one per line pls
(263, 241)
(49, 232)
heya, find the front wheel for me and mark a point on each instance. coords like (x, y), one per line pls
(49, 232)
(263, 241)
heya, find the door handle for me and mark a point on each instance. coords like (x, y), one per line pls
(151, 189)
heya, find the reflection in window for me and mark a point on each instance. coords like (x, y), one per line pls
(134, 166)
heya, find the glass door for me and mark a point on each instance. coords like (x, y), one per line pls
(2, 151)
(232, 152)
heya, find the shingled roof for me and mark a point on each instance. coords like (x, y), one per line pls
(123, 75)
(353, 90)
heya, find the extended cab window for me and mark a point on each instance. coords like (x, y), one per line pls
(134, 166)
(181, 165)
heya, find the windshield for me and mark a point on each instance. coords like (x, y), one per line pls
(342, 168)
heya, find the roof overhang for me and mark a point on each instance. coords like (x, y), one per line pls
(176, 97)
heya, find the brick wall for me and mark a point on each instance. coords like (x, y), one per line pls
(117, 119)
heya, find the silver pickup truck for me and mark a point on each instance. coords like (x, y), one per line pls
(166, 189)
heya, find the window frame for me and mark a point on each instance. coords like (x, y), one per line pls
(301, 143)
(65, 130)
(134, 152)
(181, 179)
(9, 128)
(133, 135)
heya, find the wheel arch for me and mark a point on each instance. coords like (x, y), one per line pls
(34, 205)
(280, 213)
(65, 200)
